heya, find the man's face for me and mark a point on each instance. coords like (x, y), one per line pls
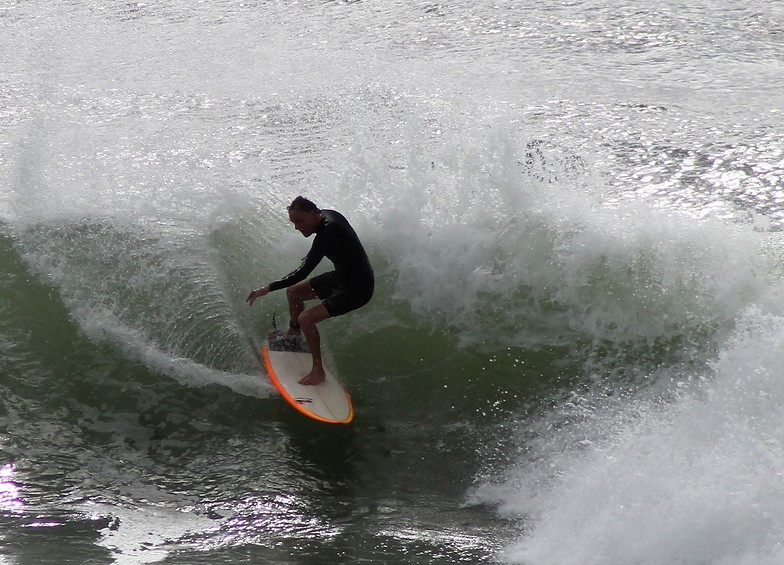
(305, 222)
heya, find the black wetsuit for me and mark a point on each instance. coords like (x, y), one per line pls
(351, 284)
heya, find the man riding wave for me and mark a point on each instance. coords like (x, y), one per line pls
(348, 287)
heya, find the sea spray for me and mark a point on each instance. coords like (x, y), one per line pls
(480, 245)
(694, 479)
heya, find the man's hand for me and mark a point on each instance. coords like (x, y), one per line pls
(258, 293)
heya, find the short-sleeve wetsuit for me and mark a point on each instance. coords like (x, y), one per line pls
(350, 285)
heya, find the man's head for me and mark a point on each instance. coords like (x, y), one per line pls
(305, 216)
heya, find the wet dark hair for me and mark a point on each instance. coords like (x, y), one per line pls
(302, 204)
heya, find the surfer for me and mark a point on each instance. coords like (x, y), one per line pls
(348, 287)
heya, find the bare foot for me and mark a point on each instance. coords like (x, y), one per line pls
(313, 378)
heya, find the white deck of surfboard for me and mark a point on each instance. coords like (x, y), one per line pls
(326, 401)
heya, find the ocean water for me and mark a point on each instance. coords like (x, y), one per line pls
(575, 212)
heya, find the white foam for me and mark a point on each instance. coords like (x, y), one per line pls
(105, 326)
(697, 480)
(479, 245)
(146, 534)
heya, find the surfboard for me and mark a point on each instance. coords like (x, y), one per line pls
(326, 402)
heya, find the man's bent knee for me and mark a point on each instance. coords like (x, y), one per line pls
(313, 316)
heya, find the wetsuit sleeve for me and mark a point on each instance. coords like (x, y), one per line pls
(310, 262)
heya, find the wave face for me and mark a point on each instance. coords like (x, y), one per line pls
(574, 214)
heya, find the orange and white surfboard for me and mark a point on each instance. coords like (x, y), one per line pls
(326, 402)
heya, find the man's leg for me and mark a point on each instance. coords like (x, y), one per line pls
(297, 295)
(308, 320)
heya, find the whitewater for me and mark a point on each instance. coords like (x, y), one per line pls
(574, 211)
